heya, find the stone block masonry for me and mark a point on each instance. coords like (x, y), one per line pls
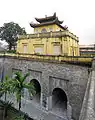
(52, 80)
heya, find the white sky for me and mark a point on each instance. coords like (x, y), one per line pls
(78, 15)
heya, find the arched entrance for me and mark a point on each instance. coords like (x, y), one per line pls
(36, 96)
(44, 30)
(59, 102)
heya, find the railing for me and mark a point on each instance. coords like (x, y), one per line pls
(49, 34)
(50, 58)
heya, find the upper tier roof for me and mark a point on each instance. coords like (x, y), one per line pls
(56, 21)
(48, 19)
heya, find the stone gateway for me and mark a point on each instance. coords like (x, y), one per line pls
(63, 91)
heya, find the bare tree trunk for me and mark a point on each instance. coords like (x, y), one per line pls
(14, 48)
(19, 105)
(5, 96)
(20, 101)
(10, 46)
(4, 112)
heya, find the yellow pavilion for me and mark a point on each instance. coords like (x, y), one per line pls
(49, 38)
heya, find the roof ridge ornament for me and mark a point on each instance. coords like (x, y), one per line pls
(54, 14)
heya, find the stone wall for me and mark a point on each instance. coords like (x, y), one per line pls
(88, 107)
(72, 79)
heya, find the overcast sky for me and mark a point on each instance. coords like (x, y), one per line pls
(78, 15)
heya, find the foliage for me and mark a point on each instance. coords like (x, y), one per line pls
(19, 84)
(5, 106)
(15, 85)
(9, 32)
(32, 89)
(11, 51)
(19, 118)
(5, 86)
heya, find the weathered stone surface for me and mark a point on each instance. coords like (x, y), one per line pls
(88, 107)
(72, 79)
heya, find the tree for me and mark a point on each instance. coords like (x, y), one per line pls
(19, 84)
(9, 32)
(15, 85)
(5, 87)
(5, 106)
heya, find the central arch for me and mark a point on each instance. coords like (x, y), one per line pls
(44, 30)
(37, 88)
(59, 101)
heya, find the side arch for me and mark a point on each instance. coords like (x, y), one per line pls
(37, 87)
(59, 102)
(59, 97)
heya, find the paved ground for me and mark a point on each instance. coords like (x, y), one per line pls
(33, 109)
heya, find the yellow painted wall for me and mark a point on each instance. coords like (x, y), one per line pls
(54, 27)
(68, 46)
(49, 46)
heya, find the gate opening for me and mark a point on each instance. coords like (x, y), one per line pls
(59, 101)
(37, 93)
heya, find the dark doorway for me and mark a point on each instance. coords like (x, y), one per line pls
(37, 87)
(59, 102)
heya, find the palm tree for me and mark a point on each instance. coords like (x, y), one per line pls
(5, 106)
(19, 84)
(5, 87)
